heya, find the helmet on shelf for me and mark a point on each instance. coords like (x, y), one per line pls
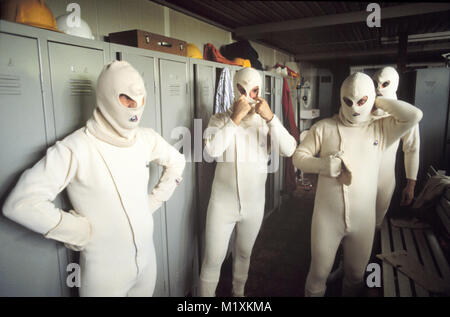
(82, 30)
(193, 51)
(31, 12)
(242, 62)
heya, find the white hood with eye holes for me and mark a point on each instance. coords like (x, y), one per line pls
(112, 122)
(248, 78)
(387, 77)
(356, 87)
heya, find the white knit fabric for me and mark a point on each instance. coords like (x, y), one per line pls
(389, 77)
(111, 221)
(238, 190)
(347, 213)
(112, 122)
(248, 78)
(386, 82)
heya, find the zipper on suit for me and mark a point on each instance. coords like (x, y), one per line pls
(121, 202)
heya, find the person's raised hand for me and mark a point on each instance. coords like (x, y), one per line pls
(240, 109)
(262, 108)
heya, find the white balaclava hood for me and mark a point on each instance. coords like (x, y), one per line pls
(386, 81)
(248, 78)
(354, 90)
(112, 122)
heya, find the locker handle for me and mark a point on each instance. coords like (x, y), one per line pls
(165, 44)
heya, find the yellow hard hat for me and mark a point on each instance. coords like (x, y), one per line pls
(242, 62)
(32, 12)
(193, 51)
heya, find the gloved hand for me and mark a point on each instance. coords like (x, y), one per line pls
(345, 177)
(240, 109)
(331, 166)
(73, 230)
(263, 109)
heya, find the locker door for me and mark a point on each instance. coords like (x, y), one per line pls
(431, 96)
(180, 216)
(270, 184)
(204, 92)
(263, 85)
(146, 67)
(279, 113)
(28, 262)
(204, 104)
(278, 102)
(74, 71)
(278, 96)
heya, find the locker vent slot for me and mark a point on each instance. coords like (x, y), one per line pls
(10, 85)
(80, 87)
(174, 90)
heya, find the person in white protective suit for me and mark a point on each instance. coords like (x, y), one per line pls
(386, 81)
(239, 143)
(105, 168)
(346, 151)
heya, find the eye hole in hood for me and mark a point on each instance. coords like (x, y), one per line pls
(348, 102)
(241, 90)
(362, 101)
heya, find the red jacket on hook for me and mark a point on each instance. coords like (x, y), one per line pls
(211, 53)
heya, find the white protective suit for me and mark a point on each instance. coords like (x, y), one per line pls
(386, 81)
(238, 190)
(351, 142)
(105, 168)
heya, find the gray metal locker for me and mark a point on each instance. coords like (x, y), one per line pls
(273, 95)
(179, 210)
(204, 79)
(74, 71)
(268, 94)
(279, 113)
(146, 67)
(432, 97)
(428, 89)
(29, 263)
(73, 75)
(324, 92)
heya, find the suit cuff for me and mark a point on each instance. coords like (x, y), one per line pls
(73, 230)
(230, 124)
(275, 122)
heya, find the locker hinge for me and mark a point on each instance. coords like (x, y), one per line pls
(154, 87)
(187, 87)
